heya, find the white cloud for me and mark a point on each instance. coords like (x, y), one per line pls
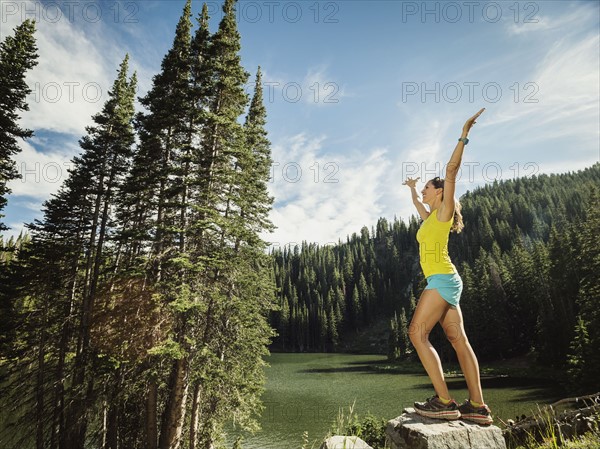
(42, 173)
(317, 87)
(77, 63)
(321, 197)
(320, 89)
(562, 111)
(14, 230)
(536, 24)
(370, 183)
(563, 99)
(529, 21)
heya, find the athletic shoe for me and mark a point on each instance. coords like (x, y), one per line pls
(435, 408)
(480, 415)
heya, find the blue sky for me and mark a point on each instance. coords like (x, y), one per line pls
(359, 94)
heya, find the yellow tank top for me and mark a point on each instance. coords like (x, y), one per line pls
(433, 246)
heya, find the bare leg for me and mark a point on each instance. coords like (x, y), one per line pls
(430, 309)
(453, 325)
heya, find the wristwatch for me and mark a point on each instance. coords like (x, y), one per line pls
(464, 140)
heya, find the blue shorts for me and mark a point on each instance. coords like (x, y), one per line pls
(449, 286)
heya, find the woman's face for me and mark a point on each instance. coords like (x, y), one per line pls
(429, 192)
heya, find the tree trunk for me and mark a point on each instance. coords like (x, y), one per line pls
(213, 148)
(112, 424)
(160, 213)
(151, 418)
(59, 407)
(73, 431)
(174, 414)
(39, 393)
(77, 419)
(195, 418)
(86, 308)
(102, 233)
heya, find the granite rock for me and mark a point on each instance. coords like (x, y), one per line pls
(413, 431)
(344, 442)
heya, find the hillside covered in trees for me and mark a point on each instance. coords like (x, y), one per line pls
(529, 257)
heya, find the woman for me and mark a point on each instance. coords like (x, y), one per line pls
(439, 302)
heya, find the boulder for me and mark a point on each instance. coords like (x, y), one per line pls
(413, 431)
(344, 442)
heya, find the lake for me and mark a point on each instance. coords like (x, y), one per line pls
(304, 392)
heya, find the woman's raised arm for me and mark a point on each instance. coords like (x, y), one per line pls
(412, 183)
(446, 211)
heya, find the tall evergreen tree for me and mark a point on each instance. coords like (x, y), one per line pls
(154, 211)
(105, 159)
(17, 56)
(11, 271)
(205, 204)
(241, 158)
(63, 269)
(585, 349)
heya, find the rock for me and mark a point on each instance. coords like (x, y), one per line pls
(344, 442)
(413, 431)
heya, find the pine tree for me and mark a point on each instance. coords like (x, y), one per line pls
(56, 282)
(62, 271)
(580, 358)
(584, 359)
(17, 56)
(403, 341)
(255, 165)
(355, 309)
(522, 305)
(156, 207)
(393, 349)
(107, 150)
(11, 268)
(203, 206)
(284, 322)
(332, 329)
(104, 160)
(165, 142)
(558, 289)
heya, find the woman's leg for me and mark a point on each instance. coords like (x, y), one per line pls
(430, 309)
(452, 322)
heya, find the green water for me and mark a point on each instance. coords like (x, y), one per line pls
(305, 391)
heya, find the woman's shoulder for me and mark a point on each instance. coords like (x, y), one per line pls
(442, 215)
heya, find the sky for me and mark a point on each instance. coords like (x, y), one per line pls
(359, 94)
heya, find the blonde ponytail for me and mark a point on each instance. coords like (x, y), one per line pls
(457, 224)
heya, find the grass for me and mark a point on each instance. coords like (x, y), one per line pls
(372, 430)
(583, 442)
(551, 440)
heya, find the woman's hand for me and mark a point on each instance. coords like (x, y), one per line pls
(410, 182)
(469, 123)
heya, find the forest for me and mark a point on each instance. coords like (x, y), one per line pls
(136, 313)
